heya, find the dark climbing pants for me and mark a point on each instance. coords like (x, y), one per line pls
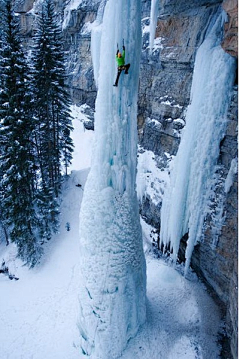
(120, 69)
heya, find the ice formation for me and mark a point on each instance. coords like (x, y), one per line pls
(113, 271)
(230, 177)
(153, 22)
(96, 40)
(185, 200)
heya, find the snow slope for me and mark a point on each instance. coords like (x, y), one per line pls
(38, 313)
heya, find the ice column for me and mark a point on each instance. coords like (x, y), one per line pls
(153, 22)
(113, 279)
(96, 40)
(185, 200)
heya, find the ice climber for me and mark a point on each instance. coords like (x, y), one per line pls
(120, 58)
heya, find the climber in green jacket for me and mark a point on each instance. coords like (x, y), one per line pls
(120, 58)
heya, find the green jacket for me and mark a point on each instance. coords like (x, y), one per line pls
(121, 60)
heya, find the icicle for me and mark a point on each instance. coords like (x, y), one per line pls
(153, 22)
(185, 201)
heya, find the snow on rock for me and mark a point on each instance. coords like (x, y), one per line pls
(151, 180)
(72, 5)
(113, 278)
(185, 201)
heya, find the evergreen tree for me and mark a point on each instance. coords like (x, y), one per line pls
(52, 102)
(17, 160)
(54, 123)
(35, 127)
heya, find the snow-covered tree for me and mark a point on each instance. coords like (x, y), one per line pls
(35, 143)
(17, 160)
(54, 124)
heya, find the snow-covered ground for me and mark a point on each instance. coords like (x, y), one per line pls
(39, 312)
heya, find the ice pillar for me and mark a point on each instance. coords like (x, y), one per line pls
(113, 279)
(153, 22)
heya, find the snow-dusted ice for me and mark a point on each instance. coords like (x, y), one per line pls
(113, 270)
(186, 198)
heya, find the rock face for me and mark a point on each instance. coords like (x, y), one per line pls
(77, 36)
(230, 42)
(164, 94)
(219, 266)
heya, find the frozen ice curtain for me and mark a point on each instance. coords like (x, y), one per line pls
(185, 202)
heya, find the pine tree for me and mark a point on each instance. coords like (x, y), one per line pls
(52, 102)
(17, 160)
(54, 123)
(35, 127)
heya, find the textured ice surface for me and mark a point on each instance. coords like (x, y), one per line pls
(113, 279)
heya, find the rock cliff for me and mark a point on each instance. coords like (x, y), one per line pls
(230, 41)
(164, 94)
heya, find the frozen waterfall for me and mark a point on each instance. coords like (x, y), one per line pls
(185, 200)
(113, 271)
